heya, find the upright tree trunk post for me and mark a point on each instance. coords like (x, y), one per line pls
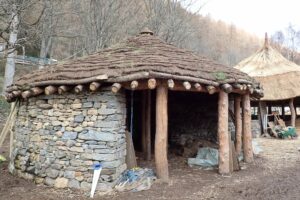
(10, 62)
(161, 137)
(223, 135)
(247, 136)
(282, 112)
(238, 124)
(293, 112)
(148, 126)
(263, 114)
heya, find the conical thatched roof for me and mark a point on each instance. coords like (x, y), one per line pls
(279, 77)
(141, 57)
(143, 53)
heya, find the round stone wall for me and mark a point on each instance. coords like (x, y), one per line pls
(58, 138)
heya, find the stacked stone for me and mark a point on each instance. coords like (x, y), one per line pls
(58, 139)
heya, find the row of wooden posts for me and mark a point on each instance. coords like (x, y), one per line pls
(242, 124)
(14, 92)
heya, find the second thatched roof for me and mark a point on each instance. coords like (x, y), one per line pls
(279, 77)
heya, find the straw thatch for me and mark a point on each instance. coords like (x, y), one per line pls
(279, 77)
(140, 57)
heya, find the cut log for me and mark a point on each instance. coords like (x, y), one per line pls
(211, 89)
(186, 85)
(237, 86)
(50, 90)
(293, 112)
(171, 84)
(223, 135)
(161, 137)
(151, 83)
(78, 89)
(198, 86)
(95, 86)
(247, 136)
(36, 91)
(26, 94)
(227, 88)
(134, 85)
(16, 93)
(238, 124)
(116, 87)
(130, 155)
(63, 89)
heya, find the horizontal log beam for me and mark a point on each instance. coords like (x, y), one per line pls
(151, 83)
(94, 86)
(134, 85)
(171, 84)
(63, 89)
(116, 87)
(50, 90)
(211, 89)
(78, 89)
(198, 86)
(226, 88)
(186, 85)
(36, 91)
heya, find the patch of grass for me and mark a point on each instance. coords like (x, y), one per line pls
(220, 76)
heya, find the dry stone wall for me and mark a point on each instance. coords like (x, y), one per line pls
(58, 138)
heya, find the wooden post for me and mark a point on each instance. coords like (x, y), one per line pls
(282, 112)
(293, 112)
(161, 137)
(263, 115)
(223, 136)
(148, 126)
(247, 136)
(238, 124)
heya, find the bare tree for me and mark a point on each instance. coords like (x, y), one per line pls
(12, 18)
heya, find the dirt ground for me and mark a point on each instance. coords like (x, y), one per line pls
(275, 174)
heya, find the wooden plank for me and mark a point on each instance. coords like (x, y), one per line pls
(161, 137)
(247, 136)
(223, 136)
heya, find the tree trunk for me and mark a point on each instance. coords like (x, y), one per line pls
(238, 124)
(10, 62)
(263, 114)
(161, 137)
(293, 112)
(223, 135)
(247, 136)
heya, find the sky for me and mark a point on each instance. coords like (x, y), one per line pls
(254, 16)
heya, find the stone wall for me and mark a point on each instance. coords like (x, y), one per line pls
(58, 138)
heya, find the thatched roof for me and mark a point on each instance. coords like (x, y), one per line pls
(143, 53)
(141, 57)
(279, 77)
